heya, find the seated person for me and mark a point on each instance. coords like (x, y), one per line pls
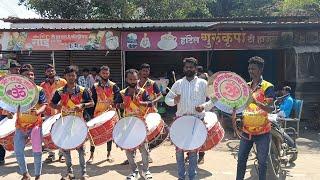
(286, 103)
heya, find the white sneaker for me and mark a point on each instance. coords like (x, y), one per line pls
(133, 176)
(146, 175)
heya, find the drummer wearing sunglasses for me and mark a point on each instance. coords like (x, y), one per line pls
(72, 99)
(29, 126)
(135, 102)
(189, 94)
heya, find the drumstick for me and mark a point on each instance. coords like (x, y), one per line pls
(90, 136)
(141, 88)
(72, 126)
(171, 91)
(194, 124)
(174, 76)
(119, 114)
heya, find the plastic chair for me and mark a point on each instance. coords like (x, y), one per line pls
(296, 115)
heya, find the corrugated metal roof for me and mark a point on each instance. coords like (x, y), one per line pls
(204, 24)
(215, 19)
(110, 25)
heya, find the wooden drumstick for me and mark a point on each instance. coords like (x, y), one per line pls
(119, 114)
(91, 139)
(141, 88)
(194, 124)
(171, 91)
(174, 76)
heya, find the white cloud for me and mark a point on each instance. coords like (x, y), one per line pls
(11, 8)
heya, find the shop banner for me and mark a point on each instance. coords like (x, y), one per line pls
(59, 40)
(198, 40)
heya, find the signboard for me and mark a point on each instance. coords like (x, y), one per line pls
(228, 90)
(60, 40)
(198, 40)
(17, 90)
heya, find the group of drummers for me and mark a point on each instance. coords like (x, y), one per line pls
(132, 113)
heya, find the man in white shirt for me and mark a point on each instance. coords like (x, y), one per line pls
(189, 94)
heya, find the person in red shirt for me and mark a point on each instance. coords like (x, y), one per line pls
(104, 94)
(72, 98)
(135, 102)
(28, 125)
(13, 69)
(50, 85)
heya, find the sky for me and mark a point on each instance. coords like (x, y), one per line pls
(11, 8)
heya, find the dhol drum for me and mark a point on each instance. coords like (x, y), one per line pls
(215, 131)
(228, 90)
(46, 127)
(69, 132)
(188, 133)
(17, 89)
(7, 129)
(100, 127)
(157, 130)
(129, 133)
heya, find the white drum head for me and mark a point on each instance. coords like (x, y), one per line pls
(152, 120)
(101, 119)
(129, 132)
(7, 126)
(188, 133)
(47, 124)
(69, 132)
(210, 119)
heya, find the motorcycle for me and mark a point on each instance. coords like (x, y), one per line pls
(283, 148)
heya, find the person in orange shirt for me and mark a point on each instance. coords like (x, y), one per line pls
(50, 85)
(135, 102)
(104, 95)
(151, 87)
(28, 125)
(13, 69)
(73, 99)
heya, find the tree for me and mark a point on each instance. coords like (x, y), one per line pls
(119, 9)
(168, 9)
(297, 7)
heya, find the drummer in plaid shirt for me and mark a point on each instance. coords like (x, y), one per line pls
(28, 125)
(50, 85)
(104, 95)
(135, 102)
(72, 99)
(189, 94)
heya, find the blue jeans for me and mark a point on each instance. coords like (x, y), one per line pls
(193, 165)
(82, 161)
(263, 145)
(145, 158)
(19, 145)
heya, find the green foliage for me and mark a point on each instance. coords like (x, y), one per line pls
(307, 7)
(168, 9)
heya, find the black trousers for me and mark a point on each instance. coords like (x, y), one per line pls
(2, 153)
(2, 150)
(109, 147)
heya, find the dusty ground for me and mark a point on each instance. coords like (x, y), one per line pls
(220, 163)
